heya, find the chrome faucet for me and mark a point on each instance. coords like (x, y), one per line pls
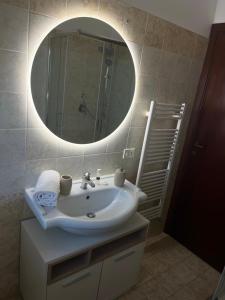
(86, 179)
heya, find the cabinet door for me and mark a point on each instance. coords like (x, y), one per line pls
(120, 273)
(82, 285)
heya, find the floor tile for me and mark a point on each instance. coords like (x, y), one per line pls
(201, 287)
(185, 294)
(169, 271)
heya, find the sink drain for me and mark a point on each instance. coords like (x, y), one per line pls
(90, 215)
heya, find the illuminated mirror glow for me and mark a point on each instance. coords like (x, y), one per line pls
(83, 80)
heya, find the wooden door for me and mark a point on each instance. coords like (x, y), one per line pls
(197, 213)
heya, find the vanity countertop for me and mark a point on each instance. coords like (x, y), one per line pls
(54, 243)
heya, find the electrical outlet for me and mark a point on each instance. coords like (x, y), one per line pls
(128, 153)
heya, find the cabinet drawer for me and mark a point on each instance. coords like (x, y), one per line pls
(82, 285)
(120, 272)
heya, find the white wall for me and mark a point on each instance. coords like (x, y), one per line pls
(220, 12)
(195, 15)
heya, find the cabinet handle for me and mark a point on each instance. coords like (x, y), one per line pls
(124, 256)
(75, 280)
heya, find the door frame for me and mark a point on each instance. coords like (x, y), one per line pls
(193, 123)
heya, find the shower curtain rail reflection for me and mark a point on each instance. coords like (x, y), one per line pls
(102, 38)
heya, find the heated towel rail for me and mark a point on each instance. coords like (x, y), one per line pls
(157, 155)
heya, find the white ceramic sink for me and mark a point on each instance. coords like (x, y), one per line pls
(92, 211)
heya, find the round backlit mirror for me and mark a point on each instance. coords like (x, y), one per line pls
(83, 80)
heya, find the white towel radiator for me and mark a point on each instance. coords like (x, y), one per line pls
(157, 155)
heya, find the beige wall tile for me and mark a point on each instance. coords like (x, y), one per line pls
(172, 92)
(168, 65)
(69, 149)
(172, 37)
(155, 32)
(94, 162)
(39, 27)
(178, 92)
(139, 117)
(12, 146)
(33, 119)
(119, 143)
(72, 166)
(134, 24)
(165, 90)
(193, 80)
(136, 52)
(151, 61)
(136, 136)
(181, 72)
(186, 42)
(200, 47)
(13, 27)
(38, 145)
(19, 3)
(27, 213)
(179, 40)
(113, 12)
(12, 179)
(11, 212)
(55, 8)
(13, 110)
(34, 169)
(112, 162)
(11, 209)
(97, 148)
(10, 263)
(148, 88)
(82, 7)
(13, 72)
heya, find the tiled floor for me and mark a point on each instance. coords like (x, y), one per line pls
(170, 271)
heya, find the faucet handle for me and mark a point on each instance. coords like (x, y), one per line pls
(87, 175)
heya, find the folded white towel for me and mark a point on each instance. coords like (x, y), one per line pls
(47, 188)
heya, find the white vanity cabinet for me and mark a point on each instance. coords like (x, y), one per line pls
(57, 265)
(82, 285)
(120, 273)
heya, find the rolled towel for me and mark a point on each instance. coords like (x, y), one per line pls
(47, 188)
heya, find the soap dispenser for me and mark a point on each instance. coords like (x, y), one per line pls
(119, 177)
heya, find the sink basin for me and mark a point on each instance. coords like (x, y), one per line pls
(93, 211)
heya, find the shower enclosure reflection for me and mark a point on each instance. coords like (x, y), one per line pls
(83, 80)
